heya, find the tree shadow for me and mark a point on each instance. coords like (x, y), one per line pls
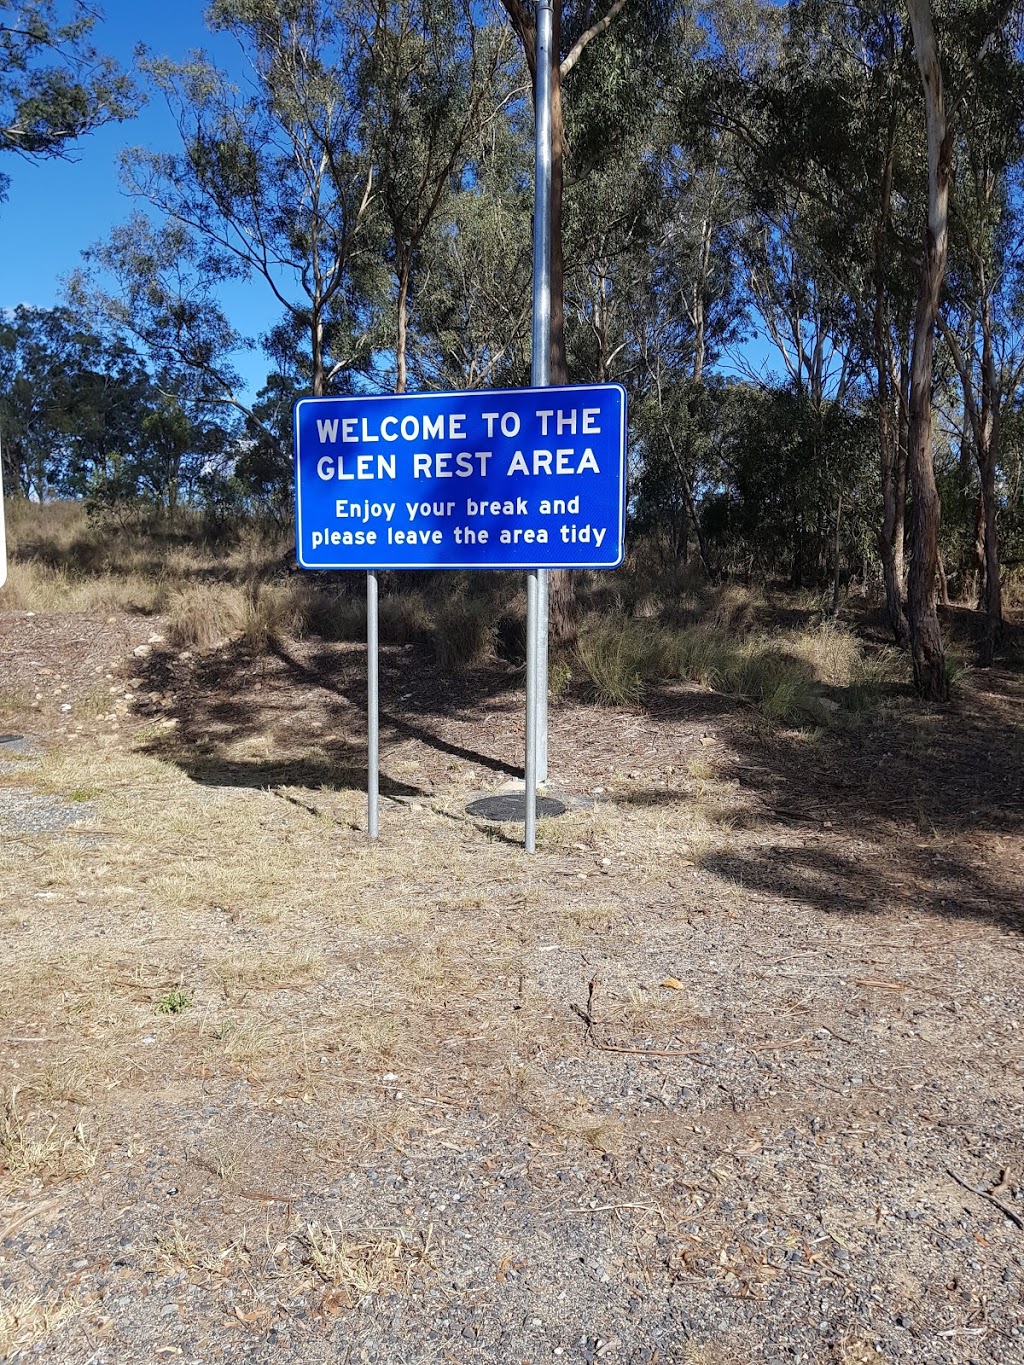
(907, 807)
(296, 716)
(486, 685)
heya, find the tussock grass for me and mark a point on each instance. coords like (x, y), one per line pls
(788, 676)
(465, 634)
(205, 616)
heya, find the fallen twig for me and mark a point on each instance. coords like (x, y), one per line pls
(982, 1193)
(588, 1018)
(770, 1045)
(614, 1208)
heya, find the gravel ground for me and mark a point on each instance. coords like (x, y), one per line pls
(651, 1107)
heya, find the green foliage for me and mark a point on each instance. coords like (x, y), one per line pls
(54, 86)
(174, 1002)
(82, 417)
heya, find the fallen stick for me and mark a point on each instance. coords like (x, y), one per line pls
(693, 1052)
(588, 1018)
(614, 1208)
(982, 1193)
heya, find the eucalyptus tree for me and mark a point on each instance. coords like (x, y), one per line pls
(925, 636)
(272, 183)
(432, 78)
(981, 318)
(70, 400)
(54, 86)
(472, 304)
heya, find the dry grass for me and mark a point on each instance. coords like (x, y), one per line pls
(30, 1147)
(362, 1268)
(26, 1320)
(372, 984)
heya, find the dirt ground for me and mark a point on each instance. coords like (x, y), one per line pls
(731, 1070)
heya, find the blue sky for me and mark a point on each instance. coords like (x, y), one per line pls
(56, 209)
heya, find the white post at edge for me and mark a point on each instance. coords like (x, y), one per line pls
(3, 528)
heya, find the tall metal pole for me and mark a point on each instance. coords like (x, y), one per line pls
(530, 832)
(372, 709)
(540, 376)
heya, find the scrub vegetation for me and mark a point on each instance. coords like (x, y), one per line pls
(730, 1069)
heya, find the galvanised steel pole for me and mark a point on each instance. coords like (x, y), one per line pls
(372, 709)
(540, 377)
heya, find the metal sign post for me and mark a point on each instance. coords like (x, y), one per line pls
(372, 709)
(527, 479)
(537, 587)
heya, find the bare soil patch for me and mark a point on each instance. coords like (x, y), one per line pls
(704, 1080)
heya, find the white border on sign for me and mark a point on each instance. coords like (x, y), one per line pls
(362, 566)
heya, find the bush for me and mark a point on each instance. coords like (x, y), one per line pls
(204, 616)
(464, 635)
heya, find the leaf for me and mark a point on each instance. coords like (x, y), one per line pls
(250, 1317)
(673, 983)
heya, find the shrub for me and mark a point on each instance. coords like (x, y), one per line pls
(464, 634)
(615, 656)
(205, 615)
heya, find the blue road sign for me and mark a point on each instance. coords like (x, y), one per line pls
(484, 479)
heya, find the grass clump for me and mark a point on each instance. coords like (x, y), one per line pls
(26, 1149)
(786, 676)
(205, 615)
(174, 1002)
(616, 657)
(464, 634)
(25, 1321)
(362, 1269)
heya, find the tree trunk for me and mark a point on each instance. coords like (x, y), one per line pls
(837, 580)
(978, 552)
(993, 585)
(561, 591)
(317, 340)
(925, 636)
(402, 338)
(988, 458)
(903, 445)
(943, 581)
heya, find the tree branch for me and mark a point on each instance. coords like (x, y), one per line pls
(588, 37)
